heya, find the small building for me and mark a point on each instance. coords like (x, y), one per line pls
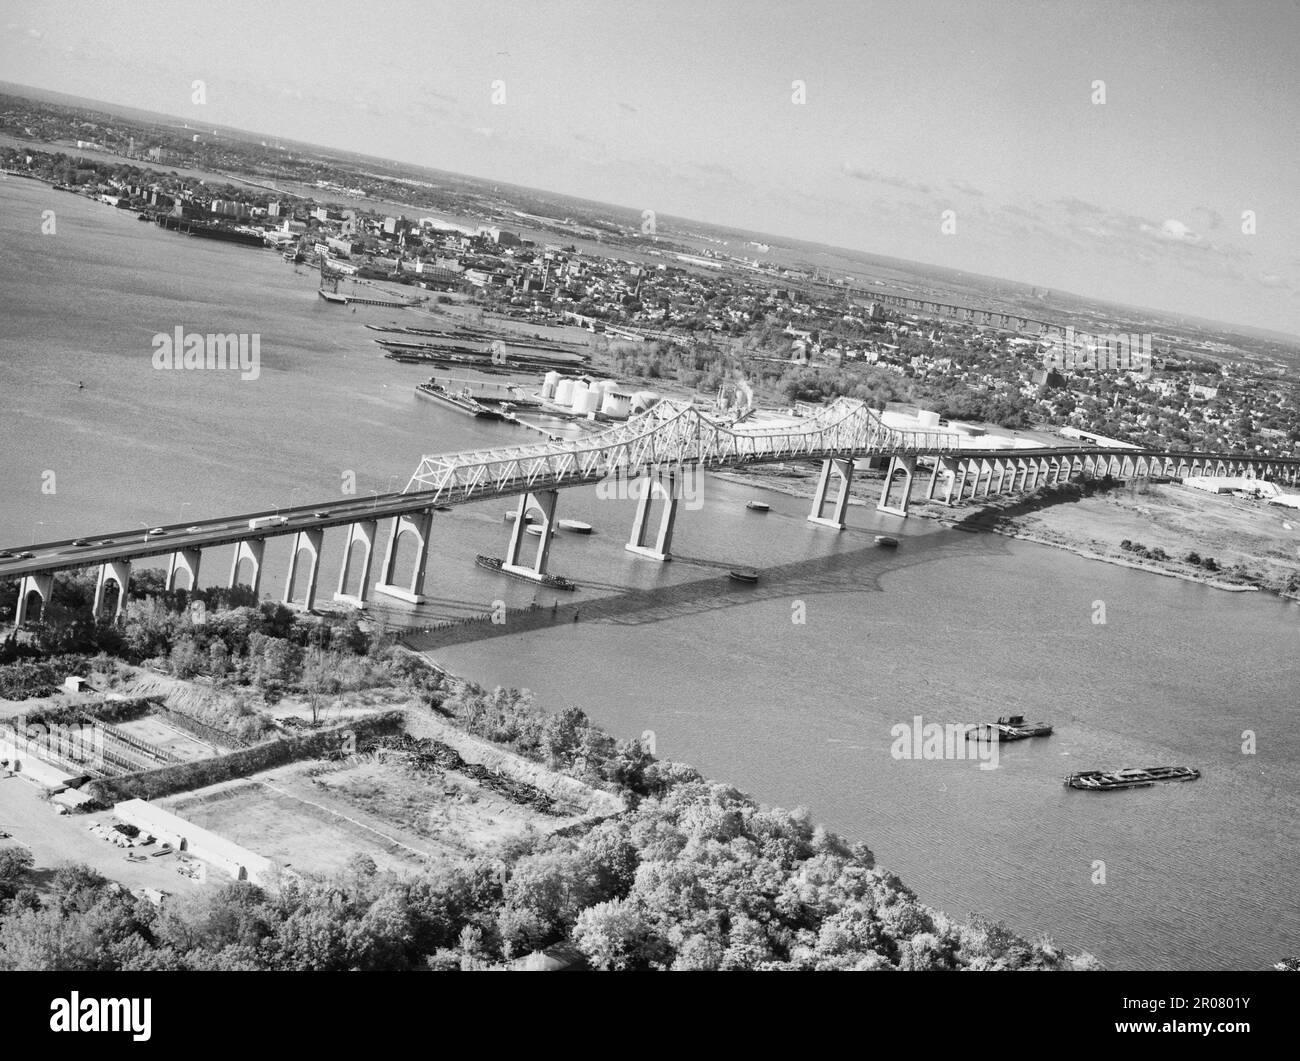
(73, 684)
(1230, 484)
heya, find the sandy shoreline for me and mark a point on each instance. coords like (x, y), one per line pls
(1118, 561)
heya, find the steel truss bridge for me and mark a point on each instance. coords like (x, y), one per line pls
(658, 448)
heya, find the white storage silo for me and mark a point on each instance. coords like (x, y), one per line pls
(564, 392)
(587, 402)
(575, 395)
(549, 382)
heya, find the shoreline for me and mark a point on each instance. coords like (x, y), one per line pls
(983, 519)
(1118, 561)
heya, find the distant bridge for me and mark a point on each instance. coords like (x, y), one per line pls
(649, 458)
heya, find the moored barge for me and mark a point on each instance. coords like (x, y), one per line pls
(461, 402)
(1143, 777)
(1008, 727)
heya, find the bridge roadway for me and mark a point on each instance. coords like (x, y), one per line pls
(138, 544)
(658, 447)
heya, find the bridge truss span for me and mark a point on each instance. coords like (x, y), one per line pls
(671, 434)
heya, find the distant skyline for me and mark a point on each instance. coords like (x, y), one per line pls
(981, 108)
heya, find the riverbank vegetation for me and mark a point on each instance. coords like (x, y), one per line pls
(693, 875)
(701, 877)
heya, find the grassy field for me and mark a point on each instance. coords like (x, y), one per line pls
(160, 732)
(314, 816)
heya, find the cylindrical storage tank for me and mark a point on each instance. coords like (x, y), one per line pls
(549, 382)
(605, 386)
(587, 402)
(927, 419)
(617, 404)
(575, 395)
(564, 392)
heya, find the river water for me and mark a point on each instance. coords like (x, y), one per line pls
(950, 627)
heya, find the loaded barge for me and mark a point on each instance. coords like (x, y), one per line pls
(462, 401)
(1145, 777)
(493, 563)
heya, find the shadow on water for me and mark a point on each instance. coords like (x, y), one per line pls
(858, 568)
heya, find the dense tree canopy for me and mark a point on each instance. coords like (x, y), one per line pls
(699, 877)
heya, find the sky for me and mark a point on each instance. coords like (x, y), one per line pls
(857, 124)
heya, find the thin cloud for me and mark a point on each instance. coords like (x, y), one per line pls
(1174, 230)
(876, 177)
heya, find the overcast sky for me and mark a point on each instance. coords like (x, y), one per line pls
(686, 107)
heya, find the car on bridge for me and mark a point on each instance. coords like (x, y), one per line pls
(5, 554)
(81, 543)
(105, 541)
(194, 530)
(157, 532)
(320, 514)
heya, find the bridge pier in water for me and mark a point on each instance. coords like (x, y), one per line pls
(661, 550)
(251, 550)
(118, 571)
(186, 560)
(907, 465)
(309, 540)
(363, 532)
(544, 502)
(843, 470)
(42, 585)
(421, 525)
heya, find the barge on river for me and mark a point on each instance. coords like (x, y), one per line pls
(494, 563)
(1143, 777)
(1009, 727)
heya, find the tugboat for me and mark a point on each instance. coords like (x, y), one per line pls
(758, 506)
(494, 563)
(747, 575)
(887, 540)
(1144, 777)
(575, 525)
(1009, 727)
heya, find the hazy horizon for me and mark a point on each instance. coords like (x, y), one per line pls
(984, 109)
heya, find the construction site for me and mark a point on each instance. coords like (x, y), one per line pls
(158, 800)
